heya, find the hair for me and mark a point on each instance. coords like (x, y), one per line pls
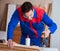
(26, 7)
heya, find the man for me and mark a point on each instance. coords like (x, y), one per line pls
(32, 20)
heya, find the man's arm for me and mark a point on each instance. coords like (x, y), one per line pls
(12, 24)
(49, 22)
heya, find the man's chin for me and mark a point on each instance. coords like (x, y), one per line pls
(30, 18)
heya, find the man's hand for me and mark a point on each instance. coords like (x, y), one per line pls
(45, 34)
(10, 44)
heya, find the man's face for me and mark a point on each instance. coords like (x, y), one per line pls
(29, 14)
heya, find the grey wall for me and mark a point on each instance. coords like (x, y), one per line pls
(55, 39)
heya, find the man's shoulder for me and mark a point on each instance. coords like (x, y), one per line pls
(39, 11)
(38, 8)
(18, 8)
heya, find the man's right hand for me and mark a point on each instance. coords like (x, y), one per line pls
(10, 44)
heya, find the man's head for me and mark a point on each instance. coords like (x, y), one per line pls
(27, 10)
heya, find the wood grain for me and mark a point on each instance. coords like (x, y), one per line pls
(19, 48)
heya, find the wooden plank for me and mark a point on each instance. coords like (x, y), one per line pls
(19, 48)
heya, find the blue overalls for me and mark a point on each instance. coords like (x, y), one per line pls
(33, 28)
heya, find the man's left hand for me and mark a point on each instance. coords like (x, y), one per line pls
(45, 34)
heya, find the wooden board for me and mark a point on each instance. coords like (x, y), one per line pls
(19, 48)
